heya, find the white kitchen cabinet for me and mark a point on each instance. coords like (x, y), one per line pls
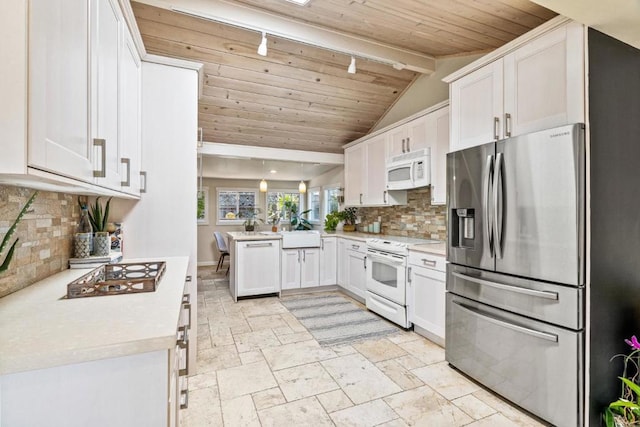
(426, 295)
(438, 139)
(300, 268)
(257, 267)
(536, 86)
(58, 95)
(328, 261)
(408, 137)
(342, 263)
(356, 280)
(365, 175)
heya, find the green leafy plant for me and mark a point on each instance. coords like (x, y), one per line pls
(331, 221)
(5, 241)
(296, 219)
(274, 219)
(99, 218)
(251, 218)
(626, 410)
(349, 215)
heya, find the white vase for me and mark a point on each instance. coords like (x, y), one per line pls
(101, 243)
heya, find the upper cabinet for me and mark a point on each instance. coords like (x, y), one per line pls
(438, 140)
(78, 80)
(538, 85)
(411, 136)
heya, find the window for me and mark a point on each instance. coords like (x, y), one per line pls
(276, 200)
(203, 206)
(234, 204)
(331, 201)
(313, 203)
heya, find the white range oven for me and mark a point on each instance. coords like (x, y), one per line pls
(387, 280)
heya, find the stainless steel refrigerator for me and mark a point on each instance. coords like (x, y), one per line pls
(515, 279)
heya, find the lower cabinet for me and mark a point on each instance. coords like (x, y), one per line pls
(328, 261)
(257, 267)
(300, 268)
(356, 266)
(426, 295)
(341, 262)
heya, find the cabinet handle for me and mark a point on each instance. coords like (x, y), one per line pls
(187, 307)
(496, 128)
(102, 172)
(126, 161)
(408, 146)
(409, 275)
(403, 150)
(507, 125)
(365, 262)
(360, 198)
(355, 247)
(322, 244)
(185, 393)
(428, 262)
(259, 245)
(143, 181)
(186, 298)
(384, 197)
(188, 279)
(184, 344)
(304, 256)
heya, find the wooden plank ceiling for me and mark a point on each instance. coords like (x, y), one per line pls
(300, 96)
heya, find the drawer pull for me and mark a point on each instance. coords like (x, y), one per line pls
(102, 172)
(513, 327)
(184, 393)
(184, 345)
(428, 262)
(516, 289)
(259, 245)
(127, 162)
(143, 182)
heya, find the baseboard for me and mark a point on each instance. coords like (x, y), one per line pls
(429, 335)
(207, 263)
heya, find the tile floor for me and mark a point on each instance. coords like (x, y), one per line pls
(258, 366)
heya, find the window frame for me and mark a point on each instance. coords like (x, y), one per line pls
(205, 214)
(237, 221)
(286, 191)
(325, 201)
(320, 202)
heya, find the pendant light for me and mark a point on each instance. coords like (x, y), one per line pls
(302, 187)
(262, 49)
(352, 66)
(263, 183)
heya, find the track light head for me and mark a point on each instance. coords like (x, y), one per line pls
(352, 66)
(262, 49)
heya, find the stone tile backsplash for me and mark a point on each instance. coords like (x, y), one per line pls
(415, 219)
(45, 233)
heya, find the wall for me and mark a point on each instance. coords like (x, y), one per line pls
(415, 219)
(334, 176)
(207, 251)
(45, 235)
(426, 91)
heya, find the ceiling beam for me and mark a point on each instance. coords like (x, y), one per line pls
(267, 153)
(260, 21)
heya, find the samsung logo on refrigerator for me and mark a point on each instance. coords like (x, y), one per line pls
(557, 135)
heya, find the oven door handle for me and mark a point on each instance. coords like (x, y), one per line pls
(384, 259)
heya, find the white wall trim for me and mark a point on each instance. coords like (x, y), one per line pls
(267, 153)
(207, 263)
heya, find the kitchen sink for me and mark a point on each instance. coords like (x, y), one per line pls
(297, 239)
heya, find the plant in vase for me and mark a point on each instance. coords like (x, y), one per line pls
(251, 219)
(331, 221)
(626, 410)
(274, 220)
(349, 216)
(5, 240)
(296, 219)
(99, 218)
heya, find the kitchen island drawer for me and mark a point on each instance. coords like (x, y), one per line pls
(531, 363)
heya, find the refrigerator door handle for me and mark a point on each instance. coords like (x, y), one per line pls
(497, 205)
(516, 289)
(517, 328)
(488, 174)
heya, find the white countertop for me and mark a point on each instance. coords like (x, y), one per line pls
(430, 248)
(254, 235)
(39, 329)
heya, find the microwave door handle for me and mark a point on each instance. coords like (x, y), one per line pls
(411, 172)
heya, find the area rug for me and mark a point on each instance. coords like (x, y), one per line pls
(334, 320)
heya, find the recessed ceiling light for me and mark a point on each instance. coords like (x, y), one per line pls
(273, 171)
(299, 2)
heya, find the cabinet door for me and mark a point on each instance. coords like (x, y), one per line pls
(396, 141)
(310, 274)
(59, 88)
(130, 97)
(544, 82)
(417, 130)
(376, 188)
(342, 263)
(258, 267)
(354, 167)
(477, 107)
(106, 58)
(357, 278)
(427, 300)
(328, 261)
(439, 128)
(290, 269)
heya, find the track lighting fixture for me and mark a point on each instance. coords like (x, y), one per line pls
(262, 49)
(352, 66)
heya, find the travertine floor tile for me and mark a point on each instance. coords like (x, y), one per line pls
(367, 414)
(514, 414)
(359, 378)
(398, 422)
(410, 362)
(239, 412)
(207, 380)
(495, 420)
(300, 353)
(270, 321)
(245, 379)
(403, 336)
(217, 358)
(268, 398)
(344, 349)
(334, 400)
(256, 340)
(473, 406)
(445, 380)
(379, 350)
(251, 357)
(204, 409)
(295, 337)
(304, 381)
(423, 406)
(304, 412)
(424, 350)
(399, 374)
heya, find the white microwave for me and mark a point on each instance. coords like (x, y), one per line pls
(409, 170)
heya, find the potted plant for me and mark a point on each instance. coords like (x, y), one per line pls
(626, 410)
(274, 220)
(349, 217)
(5, 240)
(251, 218)
(331, 221)
(296, 219)
(99, 219)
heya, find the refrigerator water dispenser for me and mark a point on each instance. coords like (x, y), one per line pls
(463, 232)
